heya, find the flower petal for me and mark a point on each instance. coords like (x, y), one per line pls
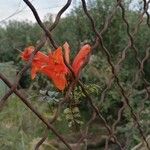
(58, 78)
(56, 70)
(81, 59)
(53, 66)
(39, 60)
(34, 71)
(60, 81)
(25, 55)
(67, 52)
(56, 61)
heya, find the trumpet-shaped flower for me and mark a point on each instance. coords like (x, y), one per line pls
(53, 64)
(56, 70)
(80, 60)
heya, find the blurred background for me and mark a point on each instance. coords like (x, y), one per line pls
(20, 129)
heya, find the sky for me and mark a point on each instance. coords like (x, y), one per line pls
(18, 10)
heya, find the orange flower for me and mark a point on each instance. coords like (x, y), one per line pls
(67, 52)
(56, 69)
(40, 60)
(53, 65)
(81, 58)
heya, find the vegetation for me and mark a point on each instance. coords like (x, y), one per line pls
(17, 128)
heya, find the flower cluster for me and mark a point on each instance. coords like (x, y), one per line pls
(53, 64)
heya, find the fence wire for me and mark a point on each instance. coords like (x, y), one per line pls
(113, 79)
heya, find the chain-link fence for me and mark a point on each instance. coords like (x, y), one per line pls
(113, 79)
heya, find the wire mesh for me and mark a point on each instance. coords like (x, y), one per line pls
(113, 79)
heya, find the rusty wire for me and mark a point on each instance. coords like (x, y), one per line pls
(115, 68)
(112, 65)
